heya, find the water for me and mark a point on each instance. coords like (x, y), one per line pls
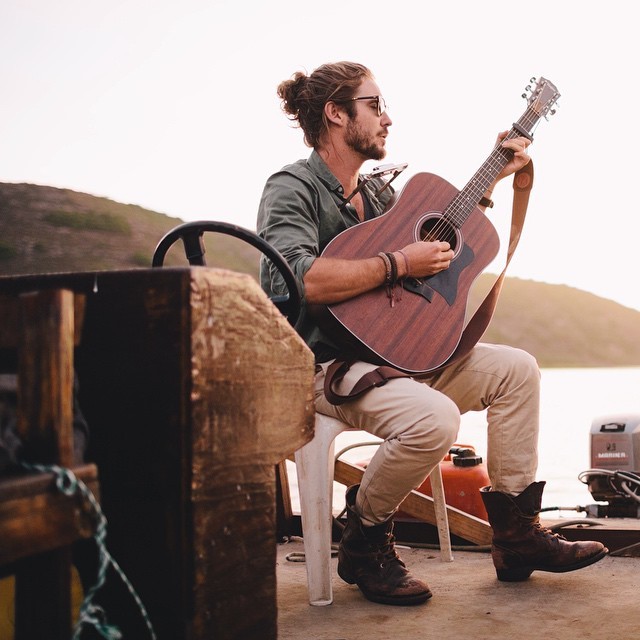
(570, 400)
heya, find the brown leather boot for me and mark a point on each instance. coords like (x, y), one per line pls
(367, 557)
(520, 545)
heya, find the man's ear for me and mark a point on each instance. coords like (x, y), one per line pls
(335, 114)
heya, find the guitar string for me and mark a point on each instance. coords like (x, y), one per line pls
(478, 183)
(475, 188)
(488, 171)
(495, 162)
(482, 178)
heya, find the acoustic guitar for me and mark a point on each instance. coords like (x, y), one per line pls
(421, 330)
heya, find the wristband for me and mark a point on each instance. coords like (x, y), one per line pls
(406, 263)
(394, 268)
(387, 266)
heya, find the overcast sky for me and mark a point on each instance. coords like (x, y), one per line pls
(172, 106)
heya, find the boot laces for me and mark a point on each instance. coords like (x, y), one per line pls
(545, 531)
(386, 552)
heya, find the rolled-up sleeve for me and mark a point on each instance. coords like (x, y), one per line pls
(301, 210)
(288, 221)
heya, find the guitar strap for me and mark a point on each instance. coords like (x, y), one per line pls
(522, 183)
(375, 378)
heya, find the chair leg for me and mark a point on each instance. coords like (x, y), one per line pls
(440, 507)
(315, 470)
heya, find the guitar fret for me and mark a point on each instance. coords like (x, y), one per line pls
(468, 198)
(428, 327)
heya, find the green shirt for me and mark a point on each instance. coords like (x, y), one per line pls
(300, 213)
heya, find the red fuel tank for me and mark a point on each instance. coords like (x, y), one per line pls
(463, 474)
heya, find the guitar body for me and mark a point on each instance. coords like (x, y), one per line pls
(422, 329)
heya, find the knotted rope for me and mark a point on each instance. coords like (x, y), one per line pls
(92, 614)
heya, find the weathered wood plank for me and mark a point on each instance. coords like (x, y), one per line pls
(45, 401)
(419, 505)
(615, 533)
(35, 517)
(12, 317)
(194, 387)
(254, 404)
(37, 523)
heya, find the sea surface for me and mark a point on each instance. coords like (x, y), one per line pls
(571, 400)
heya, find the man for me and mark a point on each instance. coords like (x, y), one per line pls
(343, 116)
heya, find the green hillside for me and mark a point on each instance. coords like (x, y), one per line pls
(44, 229)
(563, 326)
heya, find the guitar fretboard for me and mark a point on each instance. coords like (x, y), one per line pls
(466, 200)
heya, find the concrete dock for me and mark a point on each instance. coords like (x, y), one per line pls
(601, 602)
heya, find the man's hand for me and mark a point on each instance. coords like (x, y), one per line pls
(425, 258)
(520, 156)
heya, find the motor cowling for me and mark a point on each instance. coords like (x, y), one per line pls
(614, 476)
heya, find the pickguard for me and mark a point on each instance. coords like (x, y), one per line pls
(445, 282)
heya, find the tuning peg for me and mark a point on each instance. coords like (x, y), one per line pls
(552, 112)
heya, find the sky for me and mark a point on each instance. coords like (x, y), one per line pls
(172, 105)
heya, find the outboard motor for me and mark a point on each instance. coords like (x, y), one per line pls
(615, 460)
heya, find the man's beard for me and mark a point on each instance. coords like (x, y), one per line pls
(363, 144)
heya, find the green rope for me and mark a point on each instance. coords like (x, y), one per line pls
(92, 614)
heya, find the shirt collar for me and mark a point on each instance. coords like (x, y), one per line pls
(323, 173)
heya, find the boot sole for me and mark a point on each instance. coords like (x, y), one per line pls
(398, 602)
(347, 577)
(401, 601)
(522, 573)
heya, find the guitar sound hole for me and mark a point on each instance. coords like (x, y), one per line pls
(434, 228)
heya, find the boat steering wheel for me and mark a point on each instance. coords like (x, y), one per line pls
(191, 235)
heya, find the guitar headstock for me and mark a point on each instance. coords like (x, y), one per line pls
(541, 97)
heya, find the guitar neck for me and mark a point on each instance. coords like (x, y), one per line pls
(464, 203)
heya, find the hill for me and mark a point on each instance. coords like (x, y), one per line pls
(563, 326)
(45, 229)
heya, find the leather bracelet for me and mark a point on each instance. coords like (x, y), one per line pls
(486, 202)
(394, 268)
(406, 263)
(387, 266)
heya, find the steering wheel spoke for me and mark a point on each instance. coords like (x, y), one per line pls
(191, 235)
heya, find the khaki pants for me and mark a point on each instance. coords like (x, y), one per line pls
(418, 420)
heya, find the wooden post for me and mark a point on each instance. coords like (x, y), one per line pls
(37, 523)
(194, 387)
(252, 392)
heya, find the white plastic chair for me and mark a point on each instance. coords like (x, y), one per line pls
(315, 469)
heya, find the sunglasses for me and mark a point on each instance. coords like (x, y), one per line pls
(381, 105)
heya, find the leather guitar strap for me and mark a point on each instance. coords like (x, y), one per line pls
(375, 378)
(522, 183)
